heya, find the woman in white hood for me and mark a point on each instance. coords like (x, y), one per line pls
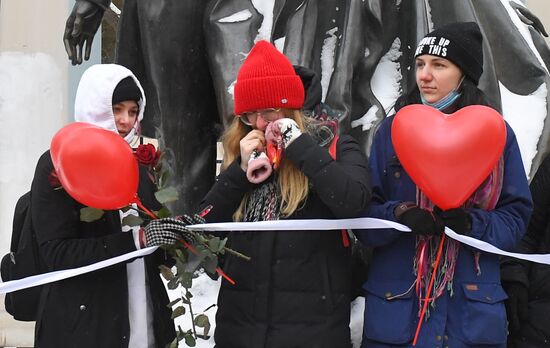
(123, 305)
(111, 97)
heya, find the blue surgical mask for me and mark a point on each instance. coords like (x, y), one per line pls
(447, 100)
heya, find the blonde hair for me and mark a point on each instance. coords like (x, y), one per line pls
(292, 183)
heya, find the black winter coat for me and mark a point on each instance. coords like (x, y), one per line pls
(535, 331)
(90, 310)
(295, 291)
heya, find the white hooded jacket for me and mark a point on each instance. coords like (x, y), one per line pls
(93, 104)
(94, 98)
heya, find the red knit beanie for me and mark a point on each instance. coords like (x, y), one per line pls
(267, 80)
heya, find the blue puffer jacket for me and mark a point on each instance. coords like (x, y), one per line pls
(472, 314)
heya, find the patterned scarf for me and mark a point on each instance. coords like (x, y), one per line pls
(264, 203)
(486, 198)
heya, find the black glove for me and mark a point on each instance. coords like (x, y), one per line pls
(166, 231)
(80, 29)
(458, 219)
(420, 221)
(516, 304)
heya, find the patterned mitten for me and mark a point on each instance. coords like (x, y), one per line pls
(165, 231)
(259, 167)
(282, 132)
(195, 219)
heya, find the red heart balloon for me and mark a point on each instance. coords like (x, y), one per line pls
(95, 166)
(448, 155)
(63, 135)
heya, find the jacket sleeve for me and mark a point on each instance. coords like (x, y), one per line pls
(56, 218)
(380, 207)
(518, 270)
(342, 184)
(505, 225)
(227, 193)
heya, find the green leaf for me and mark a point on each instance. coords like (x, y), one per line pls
(200, 237)
(166, 195)
(180, 266)
(186, 279)
(210, 264)
(190, 340)
(173, 284)
(201, 320)
(173, 302)
(163, 178)
(202, 251)
(166, 272)
(89, 214)
(178, 311)
(163, 213)
(222, 245)
(132, 220)
(180, 255)
(214, 244)
(181, 334)
(206, 330)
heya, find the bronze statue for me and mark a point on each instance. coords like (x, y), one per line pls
(187, 54)
(162, 43)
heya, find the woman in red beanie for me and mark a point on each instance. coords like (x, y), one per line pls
(295, 291)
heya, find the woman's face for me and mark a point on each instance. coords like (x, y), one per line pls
(126, 113)
(436, 77)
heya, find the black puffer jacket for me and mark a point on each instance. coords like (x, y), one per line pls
(295, 292)
(90, 310)
(535, 330)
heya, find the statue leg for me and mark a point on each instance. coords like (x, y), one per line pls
(163, 43)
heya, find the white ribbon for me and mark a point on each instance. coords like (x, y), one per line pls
(50, 277)
(279, 225)
(358, 224)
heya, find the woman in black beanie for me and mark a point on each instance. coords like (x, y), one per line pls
(466, 307)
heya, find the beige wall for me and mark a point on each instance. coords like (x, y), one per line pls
(33, 26)
(541, 8)
(33, 105)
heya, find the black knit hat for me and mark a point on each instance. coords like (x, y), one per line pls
(126, 89)
(458, 42)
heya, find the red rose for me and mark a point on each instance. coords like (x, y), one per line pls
(147, 154)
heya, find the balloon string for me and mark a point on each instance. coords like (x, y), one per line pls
(428, 293)
(142, 207)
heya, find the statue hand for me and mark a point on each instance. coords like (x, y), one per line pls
(528, 18)
(81, 26)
